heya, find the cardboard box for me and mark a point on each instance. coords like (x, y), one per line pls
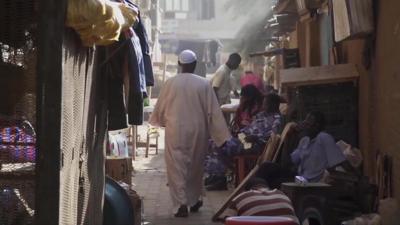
(120, 169)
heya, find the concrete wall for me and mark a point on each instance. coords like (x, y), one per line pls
(386, 86)
(379, 91)
(352, 52)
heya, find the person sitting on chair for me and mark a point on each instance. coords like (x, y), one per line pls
(259, 200)
(316, 152)
(250, 105)
(251, 139)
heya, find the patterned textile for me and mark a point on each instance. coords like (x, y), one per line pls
(263, 202)
(17, 141)
(261, 127)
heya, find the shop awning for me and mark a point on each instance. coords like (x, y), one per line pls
(318, 75)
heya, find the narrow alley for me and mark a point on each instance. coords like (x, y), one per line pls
(150, 182)
(188, 112)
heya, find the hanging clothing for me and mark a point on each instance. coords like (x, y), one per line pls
(188, 109)
(137, 81)
(116, 104)
(144, 43)
(141, 33)
(125, 63)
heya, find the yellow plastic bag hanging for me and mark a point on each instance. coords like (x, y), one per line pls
(99, 22)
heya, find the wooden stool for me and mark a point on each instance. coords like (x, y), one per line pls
(152, 132)
(240, 166)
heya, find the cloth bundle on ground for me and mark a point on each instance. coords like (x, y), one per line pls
(99, 22)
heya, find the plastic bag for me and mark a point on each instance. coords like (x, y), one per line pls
(118, 143)
(99, 22)
(353, 155)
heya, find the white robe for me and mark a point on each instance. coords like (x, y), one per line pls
(188, 109)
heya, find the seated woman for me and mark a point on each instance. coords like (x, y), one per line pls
(251, 100)
(251, 139)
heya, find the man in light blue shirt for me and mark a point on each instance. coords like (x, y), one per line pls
(314, 156)
(316, 152)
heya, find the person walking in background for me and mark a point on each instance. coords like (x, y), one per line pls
(221, 82)
(236, 75)
(188, 109)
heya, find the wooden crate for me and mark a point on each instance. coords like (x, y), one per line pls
(120, 169)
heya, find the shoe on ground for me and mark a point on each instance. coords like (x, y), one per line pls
(182, 211)
(196, 207)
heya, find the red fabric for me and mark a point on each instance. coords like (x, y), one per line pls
(254, 79)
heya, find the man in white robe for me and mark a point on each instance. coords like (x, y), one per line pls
(188, 109)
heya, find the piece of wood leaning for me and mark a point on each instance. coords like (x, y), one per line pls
(270, 150)
(289, 126)
(272, 144)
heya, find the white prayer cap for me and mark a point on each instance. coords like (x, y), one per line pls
(187, 57)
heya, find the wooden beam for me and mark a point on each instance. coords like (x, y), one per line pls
(49, 71)
(319, 75)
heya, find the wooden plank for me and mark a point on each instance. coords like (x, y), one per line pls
(49, 71)
(307, 58)
(267, 155)
(319, 75)
(285, 132)
(234, 194)
(270, 153)
(315, 43)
